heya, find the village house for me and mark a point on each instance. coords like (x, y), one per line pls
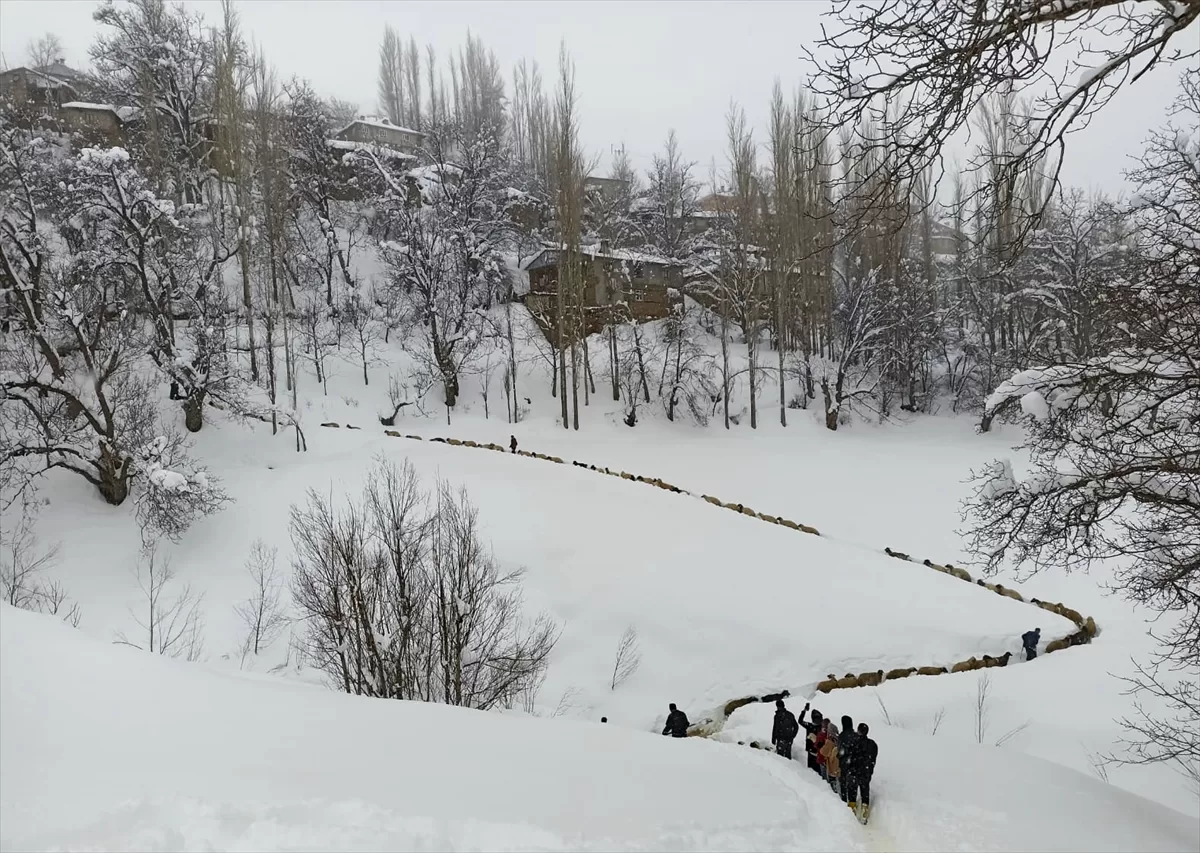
(34, 96)
(381, 132)
(619, 284)
(97, 124)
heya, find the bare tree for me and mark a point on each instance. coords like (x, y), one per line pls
(22, 561)
(262, 614)
(941, 60)
(359, 317)
(1115, 447)
(1167, 736)
(46, 50)
(171, 626)
(982, 712)
(402, 599)
(627, 660)
(391, 76)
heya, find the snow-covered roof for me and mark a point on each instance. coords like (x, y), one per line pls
(61, 71)
(379, 122)
(624, 255)
(383, 150)
(123, 114)
(40, 79)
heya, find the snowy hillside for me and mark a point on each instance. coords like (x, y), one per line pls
(109, 748)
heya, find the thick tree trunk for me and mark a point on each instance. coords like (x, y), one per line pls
(193, 411)
(113, 476)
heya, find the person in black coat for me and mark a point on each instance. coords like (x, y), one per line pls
(512, 443)
(811, 729)
(677, 723)
(865, 753)
(847, 747)
(1030, 640)
(784, 732)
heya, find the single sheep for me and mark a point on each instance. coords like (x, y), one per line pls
(931, 670)
(871, 679)
(900, 673)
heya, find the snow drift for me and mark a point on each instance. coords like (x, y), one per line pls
(107, 747)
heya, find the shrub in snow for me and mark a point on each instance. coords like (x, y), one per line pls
(401, 599)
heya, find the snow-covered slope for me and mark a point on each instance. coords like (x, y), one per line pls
(106, 747)
(725, 605)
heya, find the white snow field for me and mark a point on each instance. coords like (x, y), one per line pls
(107, 747)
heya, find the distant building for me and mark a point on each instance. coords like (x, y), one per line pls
(618, 285)
(381, 132)
(98, 124)
(33, 96)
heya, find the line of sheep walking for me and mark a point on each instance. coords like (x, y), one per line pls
(1087, 626)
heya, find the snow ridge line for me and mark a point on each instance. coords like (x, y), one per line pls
(1087, 627)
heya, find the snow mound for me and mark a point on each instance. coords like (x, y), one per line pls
(931, 793)
(94, 736)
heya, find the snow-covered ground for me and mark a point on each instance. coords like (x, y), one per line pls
(109, 747)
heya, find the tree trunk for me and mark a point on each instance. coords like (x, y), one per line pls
(831, 410)
(612, 360)
(725, 363)
(193, 411)
(113, 476)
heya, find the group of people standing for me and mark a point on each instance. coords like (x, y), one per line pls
(844, 757)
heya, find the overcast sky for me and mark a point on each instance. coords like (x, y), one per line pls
(642, 67)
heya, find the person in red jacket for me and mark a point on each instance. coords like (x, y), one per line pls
(818, 746)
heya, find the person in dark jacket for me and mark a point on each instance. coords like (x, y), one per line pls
(784, 732)
(847, 744)
(512, 443)
(811, 729)
(1030, 640)
(865, 753)
(677, 723)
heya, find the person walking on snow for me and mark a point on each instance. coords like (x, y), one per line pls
(784, 732)
(1030, 640)
(819, 746)
(811, 730)
(865, 753)
(847, 743)
(512, 443)
(832, 765)
(677, 723)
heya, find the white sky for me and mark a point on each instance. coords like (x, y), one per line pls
(642, 67)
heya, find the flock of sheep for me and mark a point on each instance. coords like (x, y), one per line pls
(1087, 626)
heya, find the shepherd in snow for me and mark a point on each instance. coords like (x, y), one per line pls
(865, 753)
(811, 730)
(677, 723)
(846, 752)
(512, 443)
(1030, 640)
(784, 731)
